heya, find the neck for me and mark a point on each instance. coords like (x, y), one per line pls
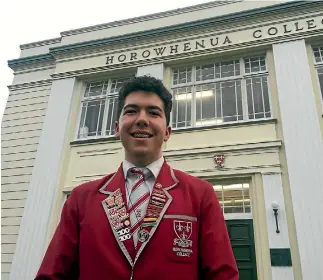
(142, 160)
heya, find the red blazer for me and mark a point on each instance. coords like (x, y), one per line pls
(187, 236)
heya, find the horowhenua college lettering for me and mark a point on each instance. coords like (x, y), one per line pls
(210, 42)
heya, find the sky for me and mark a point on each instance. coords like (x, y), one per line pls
(26, 21)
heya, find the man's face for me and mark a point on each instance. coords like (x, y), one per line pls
(142, 127)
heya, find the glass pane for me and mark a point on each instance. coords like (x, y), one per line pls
(198, 75)
(255, 64)
(258, 97)
(205, 105)
(217, 70)
(237, 67)
(318, 54)
(247, 65)
(250, 99)
(227, 69)
(116, 84)
(96, 89)
(92, 111)
(265, 94)
(320, 72)
(83, 131)
(183, 76)
(263, 66)
(111, 114)
(207, 72)
(234, 198)
(182, 107)
(257, 94)
(175, 77)
(239, 100)
(219, 114)
(230, 92)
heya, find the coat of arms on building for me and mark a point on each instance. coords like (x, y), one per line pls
(219, 160)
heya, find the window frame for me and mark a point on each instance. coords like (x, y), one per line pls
(242, 77)
(82, 99)
(233, 216)
(317, 66)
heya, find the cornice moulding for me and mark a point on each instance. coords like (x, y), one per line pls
(15, 63)
(41, 83)
(182, 56)
(40, 43)
(149, 17)
(235, 147)
(154, 35)
(186, 26)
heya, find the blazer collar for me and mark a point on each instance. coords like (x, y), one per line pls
(166, 178)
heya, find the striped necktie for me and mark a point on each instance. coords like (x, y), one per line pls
(138, 201)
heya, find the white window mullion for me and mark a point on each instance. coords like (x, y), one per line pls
(236, 95)
(176, 111)
(215, 101)
(253, 101)
(222, 115)
(262, 95)
(105, 113)
(98, 120)
(112, 99)
(244, 91)
(193, 102)
(243, 201)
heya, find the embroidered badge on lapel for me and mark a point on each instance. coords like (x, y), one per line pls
(154, 209)
(118, 214)
(183, 244)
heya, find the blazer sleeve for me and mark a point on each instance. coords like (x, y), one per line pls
(216, 257)
(61, 258)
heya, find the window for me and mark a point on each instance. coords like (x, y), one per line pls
(318, 55)
(234, 198)
(218, 92)
(99, 108)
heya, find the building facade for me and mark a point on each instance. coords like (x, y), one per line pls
(247, 82)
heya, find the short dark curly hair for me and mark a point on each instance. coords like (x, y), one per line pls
(146, 84)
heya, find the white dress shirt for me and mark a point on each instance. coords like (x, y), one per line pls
(154, 168)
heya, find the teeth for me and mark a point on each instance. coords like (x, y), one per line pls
(141, 135)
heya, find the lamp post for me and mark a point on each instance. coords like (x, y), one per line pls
(275, 207)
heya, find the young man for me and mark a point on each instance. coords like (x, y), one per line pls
(146, 221)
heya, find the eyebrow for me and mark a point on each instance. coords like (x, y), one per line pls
(150, 107)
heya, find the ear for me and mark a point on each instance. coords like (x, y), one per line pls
(116, 129)
(167, 133)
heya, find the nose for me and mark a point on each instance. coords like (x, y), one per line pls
(142, 119)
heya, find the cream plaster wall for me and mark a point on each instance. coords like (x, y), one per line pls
(164, 21)
(284, 171)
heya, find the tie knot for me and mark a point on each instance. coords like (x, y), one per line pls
(143, 172)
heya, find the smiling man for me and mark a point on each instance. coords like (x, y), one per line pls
(146, 220)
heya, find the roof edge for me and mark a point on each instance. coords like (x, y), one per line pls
(149, 17)
(182, 26)
(40, 43)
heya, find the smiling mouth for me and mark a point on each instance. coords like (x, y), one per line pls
(141, 135)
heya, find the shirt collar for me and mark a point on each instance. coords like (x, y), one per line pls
(154, 167)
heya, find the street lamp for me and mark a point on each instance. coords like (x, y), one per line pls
(275, 207)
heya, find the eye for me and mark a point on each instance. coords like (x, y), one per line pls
(154, 113)
(130, 112)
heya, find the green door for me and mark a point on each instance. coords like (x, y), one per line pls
(243, 245)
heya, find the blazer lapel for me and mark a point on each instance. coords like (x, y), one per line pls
(159, 202)
(116, 211)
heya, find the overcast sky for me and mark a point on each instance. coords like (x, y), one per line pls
(25, 21)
